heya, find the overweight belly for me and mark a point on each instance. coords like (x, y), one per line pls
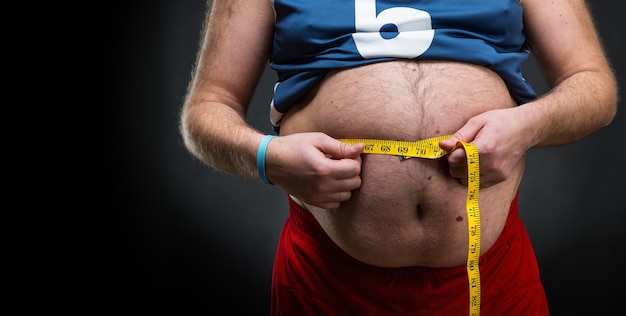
(410, 212)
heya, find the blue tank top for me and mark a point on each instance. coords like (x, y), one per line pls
(314, 36)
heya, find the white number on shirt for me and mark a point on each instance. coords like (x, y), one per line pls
(395, 32)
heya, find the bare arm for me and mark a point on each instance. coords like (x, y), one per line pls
(582, 98)
(234, 52)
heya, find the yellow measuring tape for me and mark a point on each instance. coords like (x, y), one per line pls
(429, 148)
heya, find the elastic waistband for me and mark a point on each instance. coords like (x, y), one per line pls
(303, 222)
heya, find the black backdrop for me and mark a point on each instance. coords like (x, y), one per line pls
(185, 239)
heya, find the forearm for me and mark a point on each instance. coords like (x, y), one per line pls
(583, 95)
(220, 137)
(234, 52)
(573, 109)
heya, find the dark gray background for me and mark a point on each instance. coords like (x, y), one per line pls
(185, 239)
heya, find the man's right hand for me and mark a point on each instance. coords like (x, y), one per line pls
(314, 167)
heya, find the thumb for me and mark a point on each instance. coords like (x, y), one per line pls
(465, 134)
(451, 143)
(340, 150)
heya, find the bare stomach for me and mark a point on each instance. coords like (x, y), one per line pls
(411, 212)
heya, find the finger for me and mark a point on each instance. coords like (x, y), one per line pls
(457, 158)
(347, 184)
(346, 168)
(333, 200)
(458, 172)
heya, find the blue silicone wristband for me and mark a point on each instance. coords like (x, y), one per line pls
(260, 158)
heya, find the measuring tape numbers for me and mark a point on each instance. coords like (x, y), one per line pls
(429, 149)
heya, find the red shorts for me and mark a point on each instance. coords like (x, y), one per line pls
(312, 276)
